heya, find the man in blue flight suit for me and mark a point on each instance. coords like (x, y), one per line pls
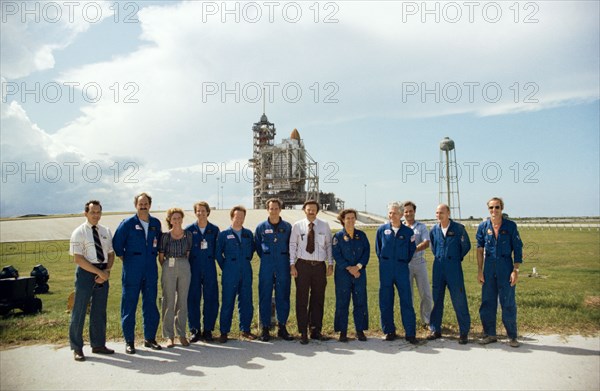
(500, 239)
(272, 240)
(235, 248)
(449, 244)
(136, 243)
(204, 274)
(395, 246)
(351, 252)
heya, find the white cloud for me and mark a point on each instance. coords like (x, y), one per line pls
(33, 31)
(162, 118)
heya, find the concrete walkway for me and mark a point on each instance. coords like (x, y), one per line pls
(541, 363)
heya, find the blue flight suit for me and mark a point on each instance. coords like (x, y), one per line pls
(350, 251)
(140, 274)
(272, 244)
(498, 265)
(394, 253)
(448, 255)
(204, 277)
(234, 256)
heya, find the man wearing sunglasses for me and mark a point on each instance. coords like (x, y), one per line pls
(500, 240)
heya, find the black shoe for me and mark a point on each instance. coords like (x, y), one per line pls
(304, 339)
(463, 339)
(390, 337)
(283, 333)
(130, 348)
(223, 338)
(360, 335)
(78, 355)
(194, 335)
(412, 340)
(152, 344)
(102, 350)
(434, 335)
(315, 335)
(343, 337)
(207, 336)
(248, 335)
(487, 339)
(265, 335)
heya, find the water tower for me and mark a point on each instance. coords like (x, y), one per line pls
(449, 177)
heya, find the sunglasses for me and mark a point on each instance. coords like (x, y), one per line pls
(494, 207)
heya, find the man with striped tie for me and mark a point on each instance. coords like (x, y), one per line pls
(92, 251)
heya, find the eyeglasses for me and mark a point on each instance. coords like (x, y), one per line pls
(494, 207)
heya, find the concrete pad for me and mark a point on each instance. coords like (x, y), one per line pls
(541, 363)
(60, 228)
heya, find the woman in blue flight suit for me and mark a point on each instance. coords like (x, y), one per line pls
(235, 248)
(351, 252)
(204, 283)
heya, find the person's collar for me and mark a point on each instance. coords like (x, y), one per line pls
(199, 226)
(276, 223)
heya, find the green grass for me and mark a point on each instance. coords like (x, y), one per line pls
(566, 300)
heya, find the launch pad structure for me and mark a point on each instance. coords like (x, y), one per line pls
(285, 171)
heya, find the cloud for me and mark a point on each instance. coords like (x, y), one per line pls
(186, 97)
(33, 31)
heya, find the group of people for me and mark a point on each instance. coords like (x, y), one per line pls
(306, 251)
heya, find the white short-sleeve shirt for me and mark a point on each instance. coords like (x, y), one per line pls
(82, 242)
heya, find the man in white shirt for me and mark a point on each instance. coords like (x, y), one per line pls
(310, 249)
(92, 251)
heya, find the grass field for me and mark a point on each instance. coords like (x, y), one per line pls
(566, 300)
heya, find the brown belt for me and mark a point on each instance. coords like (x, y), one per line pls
(312, 263)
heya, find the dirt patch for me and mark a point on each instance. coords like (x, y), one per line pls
(592, 301)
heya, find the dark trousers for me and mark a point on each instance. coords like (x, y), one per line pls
(310, 295)
(87, 290)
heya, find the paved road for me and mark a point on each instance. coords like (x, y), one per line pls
(541, 363)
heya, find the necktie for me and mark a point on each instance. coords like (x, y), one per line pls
(98, 245)
(310, 242)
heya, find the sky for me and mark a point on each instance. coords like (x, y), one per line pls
(102, 100)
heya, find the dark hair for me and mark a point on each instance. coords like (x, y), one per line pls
(311, 202)
(92, 202)
(409, 203)
(342, 215)
(276, 200)
(204, 204)
(237, 207)
(144, 194)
